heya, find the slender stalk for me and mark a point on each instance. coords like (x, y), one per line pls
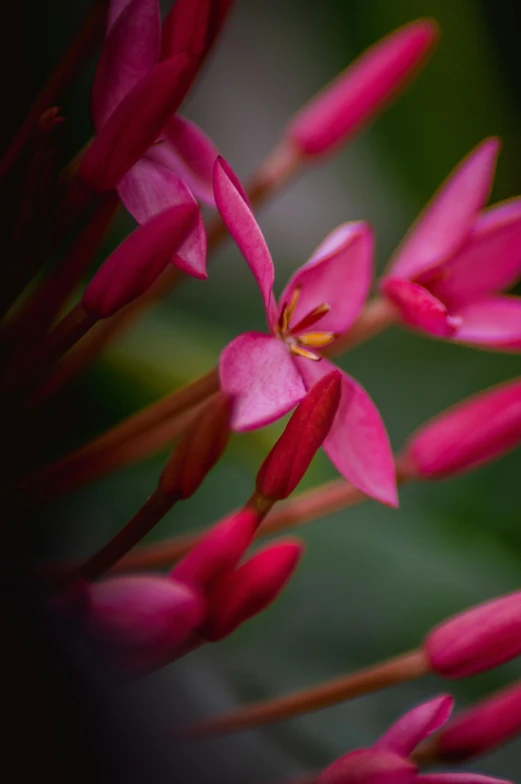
(155, 508)
(378, 314)
(406, 667)
(314, 504)
(71, 63)
(277, 169)
(131, 440)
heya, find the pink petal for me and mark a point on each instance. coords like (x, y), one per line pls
(358, 444)
(338, 274)
(185, 28)
(369, 766)
(489, 261)
(470, 433)
(240, 222)
(419, 308)
(130, 51)
(415, 726)
(459, 778)
(445, 222)
(149, 188)
(189, 152)
(352, 99)
(258, 372)
(143, 611)
(135, 124)
(494, 322)
(116, 7)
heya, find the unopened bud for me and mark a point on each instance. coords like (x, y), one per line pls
(198, 450)
(305, 432)
(135, 264)
(218, 551)
(364, 88)
(136, 123)
(251, 588)
(473, 432)
(476, 640)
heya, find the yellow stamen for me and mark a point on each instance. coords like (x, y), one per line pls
(301, 352)
(315, 315)
(287, 311)
(316, 339)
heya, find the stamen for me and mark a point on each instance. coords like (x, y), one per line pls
(315, 315)
(301, 352)
(316, 339)
(287, 311)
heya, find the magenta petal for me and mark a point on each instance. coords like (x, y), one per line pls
(459, 778)
(369, 766)
(149, 188)
(492, 322)
(419, 308)
(189, 152)
(445, 222)
(489, 261)
(416, 725)
(338, 274)
(240, 222)
(259, 373)
(358, 444)
(130, 51)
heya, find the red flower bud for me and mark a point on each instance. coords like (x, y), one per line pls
(251, 588)
(473, 432)
(476, 640)
(136, 123)
(135, 264)
(309, 425)
(363, 89)
(198, 450)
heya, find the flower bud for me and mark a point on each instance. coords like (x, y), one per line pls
(143, 612)
(419, 308)
(251, 588)
(136, 123)
(135, 264)
(185, 28)
(309, 425)
(476, 640)
(218, 551)
(364, 88)
(478, 730)
(471, 433)
(198, 450)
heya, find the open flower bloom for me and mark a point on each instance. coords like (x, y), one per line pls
(268, 374)
(178, 165)
(386, 762)
(447, 276)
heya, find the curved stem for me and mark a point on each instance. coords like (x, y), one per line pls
(406, 667)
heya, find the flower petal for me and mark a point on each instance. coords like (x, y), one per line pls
(149, 188)
(338, 274)
(419, 308)
(369, 766)
(358, 444)
(185, 29)
(417, 724)
(259, 373)
(446, 220)
(115, 9)
(189, 152)
(240, 222)
(492, 322)
(489, 261)
(130, 51)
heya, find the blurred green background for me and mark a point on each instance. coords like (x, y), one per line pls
(373, 580)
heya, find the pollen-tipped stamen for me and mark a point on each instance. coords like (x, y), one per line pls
(312, 317)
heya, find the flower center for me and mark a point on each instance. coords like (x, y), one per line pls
(296, 338)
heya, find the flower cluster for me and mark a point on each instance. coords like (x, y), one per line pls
(446, 280)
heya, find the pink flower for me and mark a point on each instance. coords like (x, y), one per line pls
(447, 276)
(386, 762)
(173, 158)
(268, 374)
(471, 433)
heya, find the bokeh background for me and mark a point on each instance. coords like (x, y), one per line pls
(373, 580)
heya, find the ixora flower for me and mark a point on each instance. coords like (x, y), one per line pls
(386, 762)
(269, 374)
(155, 158)
(447, 275)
